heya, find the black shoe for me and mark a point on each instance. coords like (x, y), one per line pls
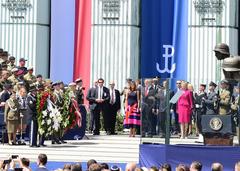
(34, 146)
(21, 143)
(63, 142)
(56, 142)
(108, 133)
(96, 133)
(42, 145)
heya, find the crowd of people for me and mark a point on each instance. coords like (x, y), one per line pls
(190, 105)
(36, 105)
(49, 108)
(23, 164)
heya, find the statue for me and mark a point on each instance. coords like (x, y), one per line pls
(231, 70)
(230, 65)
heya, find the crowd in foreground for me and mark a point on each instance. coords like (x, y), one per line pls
(23, 164)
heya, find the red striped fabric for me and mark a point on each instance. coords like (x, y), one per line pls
(82, 53)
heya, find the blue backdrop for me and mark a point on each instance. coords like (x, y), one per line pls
(155, 155)
(164, 23)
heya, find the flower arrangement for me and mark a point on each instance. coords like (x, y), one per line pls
(71, 114)
(49, 117)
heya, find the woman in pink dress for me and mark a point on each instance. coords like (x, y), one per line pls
(184, 108)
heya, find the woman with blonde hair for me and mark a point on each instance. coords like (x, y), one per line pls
(191, 89)
(184, 108)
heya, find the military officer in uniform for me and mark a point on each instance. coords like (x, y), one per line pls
(12, 118)
(210, 101)
(58, 101)
(79, 91)
(14, 77)
(199, 96)
(11, 63)
(4, 80)
(235, 105)
(224, 98)
(80, 99)
(29, 77)
(32, 109)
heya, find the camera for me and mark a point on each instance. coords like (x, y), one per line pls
(6, 161)
(18, 169)
(14, 156)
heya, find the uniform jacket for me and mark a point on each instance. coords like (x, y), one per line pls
(210, 103)
(224, 102)
(11, 110)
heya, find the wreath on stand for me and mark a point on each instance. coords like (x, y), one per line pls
(71, 116)
(49, 117)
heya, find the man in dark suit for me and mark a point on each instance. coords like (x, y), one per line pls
(92, 104)
(32, 109)
(101, 98)
(148, 101)
(210, 101)
(175, 126)
(114, 106)
(41, 162)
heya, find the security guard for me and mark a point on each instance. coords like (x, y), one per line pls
(32, 105)
(224, 98)
(210, 101)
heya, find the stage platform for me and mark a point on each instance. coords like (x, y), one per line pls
(103, 148)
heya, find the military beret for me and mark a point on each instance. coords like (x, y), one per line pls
(212, 84)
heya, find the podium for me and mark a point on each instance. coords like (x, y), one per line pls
(217, 130)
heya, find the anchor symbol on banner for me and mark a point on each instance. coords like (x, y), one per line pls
(166, 56)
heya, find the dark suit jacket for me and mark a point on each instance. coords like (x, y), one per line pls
(94, 96)
(90, 98)
(117, 104)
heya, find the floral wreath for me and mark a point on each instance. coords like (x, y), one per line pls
(49, 117)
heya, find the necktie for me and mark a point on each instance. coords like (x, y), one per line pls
(112, 98)
(146, 91)
(24, 103)
(100, 93)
